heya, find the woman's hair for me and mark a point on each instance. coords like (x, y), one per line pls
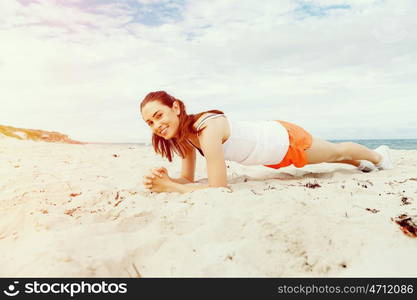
(178, 145)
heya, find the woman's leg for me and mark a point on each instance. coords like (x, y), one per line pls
(355, 163)
(324, 151)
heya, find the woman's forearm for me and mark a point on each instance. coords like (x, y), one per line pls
(186, 188)
(181, 180)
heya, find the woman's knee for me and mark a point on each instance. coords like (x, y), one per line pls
(344, 150)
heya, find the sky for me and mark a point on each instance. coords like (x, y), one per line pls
(340, 69)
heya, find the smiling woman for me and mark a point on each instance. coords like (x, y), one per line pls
(272, 143)
(172, 127)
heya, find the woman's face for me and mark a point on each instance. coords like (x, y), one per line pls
(162, 120)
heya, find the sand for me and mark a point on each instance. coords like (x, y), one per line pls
(70, 210)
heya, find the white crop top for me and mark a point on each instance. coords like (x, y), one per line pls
(254, 142)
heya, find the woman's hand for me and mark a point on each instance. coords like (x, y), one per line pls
(157, 180)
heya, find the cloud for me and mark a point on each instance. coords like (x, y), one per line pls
(341, 69)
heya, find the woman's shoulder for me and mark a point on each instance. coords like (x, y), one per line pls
(218, 123)
(208, 118)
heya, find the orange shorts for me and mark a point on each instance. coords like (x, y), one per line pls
(300, 140)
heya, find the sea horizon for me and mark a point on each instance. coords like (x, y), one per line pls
(397, 144)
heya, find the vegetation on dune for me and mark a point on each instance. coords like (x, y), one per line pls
(36, 135)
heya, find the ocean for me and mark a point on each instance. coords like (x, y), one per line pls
(401, 144)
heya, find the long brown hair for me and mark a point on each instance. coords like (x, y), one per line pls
(179, 145)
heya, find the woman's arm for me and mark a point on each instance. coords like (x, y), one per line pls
(188, 167)
(181, 180)
(185, 188)
(159, 181)
(217, 177)
(173, 184)
(211, 145)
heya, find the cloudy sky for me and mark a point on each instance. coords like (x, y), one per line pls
(342, 69)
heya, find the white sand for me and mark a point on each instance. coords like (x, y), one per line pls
(270, 226)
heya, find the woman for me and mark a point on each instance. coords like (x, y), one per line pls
(274, 144)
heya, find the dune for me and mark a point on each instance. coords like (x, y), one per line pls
(35, 135)
(80, 210)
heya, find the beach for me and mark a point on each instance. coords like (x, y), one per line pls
(80, 210)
